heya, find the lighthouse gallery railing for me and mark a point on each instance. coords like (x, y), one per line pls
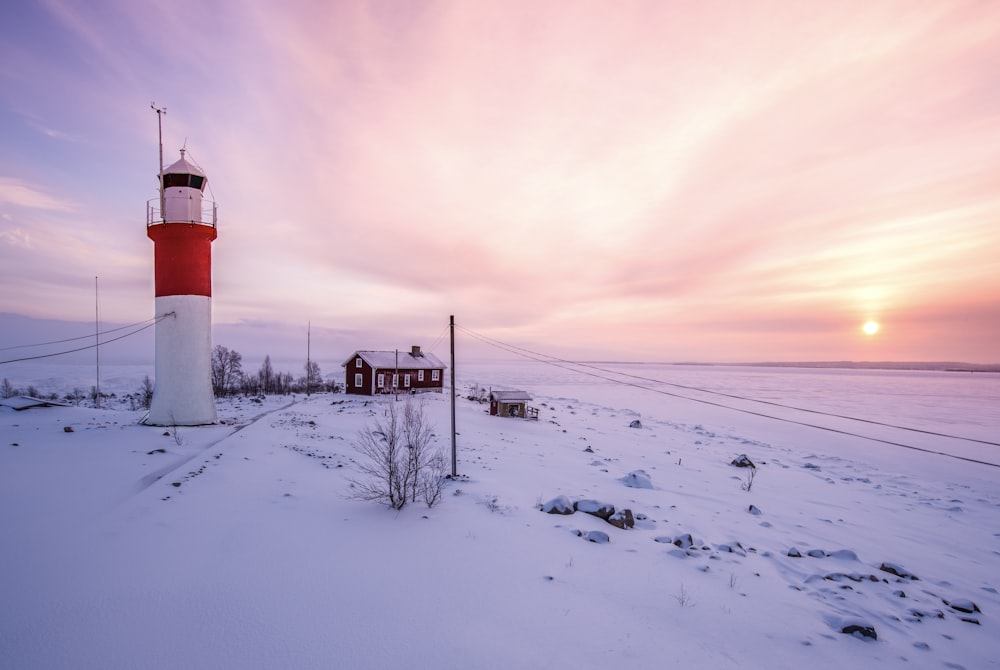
(209, 213)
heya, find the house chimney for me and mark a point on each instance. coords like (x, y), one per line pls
(415, 351)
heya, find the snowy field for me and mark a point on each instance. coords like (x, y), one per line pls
(239, 546)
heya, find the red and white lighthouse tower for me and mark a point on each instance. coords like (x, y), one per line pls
(182, 228)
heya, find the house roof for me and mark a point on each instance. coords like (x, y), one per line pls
(26, 402)
(510, 396)
(387, 360)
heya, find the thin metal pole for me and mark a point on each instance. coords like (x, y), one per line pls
(159, 175)
(97, 349)
(454, 448)
(308, 354)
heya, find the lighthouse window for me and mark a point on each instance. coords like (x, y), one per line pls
(175, 180)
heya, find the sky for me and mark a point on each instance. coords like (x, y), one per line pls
(671, 181)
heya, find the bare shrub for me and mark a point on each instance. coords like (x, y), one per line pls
(748, 484)
(398, 463)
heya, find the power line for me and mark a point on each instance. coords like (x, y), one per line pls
(565, 364)
(82, 337)
(90, 346)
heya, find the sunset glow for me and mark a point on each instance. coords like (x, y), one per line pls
(664, 181)
(870, 328)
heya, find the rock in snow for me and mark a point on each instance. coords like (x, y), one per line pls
(742, 461)
(860, 630)
(597, 536)
(598, 509)
(638, 479)
(622, 519)
(558, 505)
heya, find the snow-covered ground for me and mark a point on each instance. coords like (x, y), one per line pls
(238, 545)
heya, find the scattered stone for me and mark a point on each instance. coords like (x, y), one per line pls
(843, 554)
(753, 509)
(597, 537)
(67, 429)
(664, 539)
(965, 606)
(638, 479)
(622, 519)
(589, 450)
(794, 553)
(176, 484)
(684, 541)
(558, 505)
(595, 508)
(816, 553)
(894, 569)
(742, 461)
(156, 451)
(861, 631)
(968, 619)
(635, 424)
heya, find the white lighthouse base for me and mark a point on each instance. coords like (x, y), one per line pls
(182, 394)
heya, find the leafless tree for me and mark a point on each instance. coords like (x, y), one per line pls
(7, 390)
(398, 464)
(227, 369)
(146, 392)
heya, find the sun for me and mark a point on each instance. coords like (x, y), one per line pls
(870, 328)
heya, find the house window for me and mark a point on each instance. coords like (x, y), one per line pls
(381, 380)
(395, 381)
(359, 380)
(435, 375)
(357, 362)
(420, 375)
(406, 380)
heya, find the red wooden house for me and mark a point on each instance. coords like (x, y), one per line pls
(374, 372)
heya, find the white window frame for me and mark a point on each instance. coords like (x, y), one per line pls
(357, 362)
(395, 380)
(359, 380)
(381, 380)
(406, 380)
(420, 375)
(435, 375)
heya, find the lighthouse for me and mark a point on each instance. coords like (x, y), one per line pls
(182, 226)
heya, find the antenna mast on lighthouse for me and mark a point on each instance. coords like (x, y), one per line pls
(160, 111)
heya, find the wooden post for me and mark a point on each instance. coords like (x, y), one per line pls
(454, 448)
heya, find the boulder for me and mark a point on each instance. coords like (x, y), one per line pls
(966, 606)
(684, 541)
(742, 461)
(894, 569)
(638, 479)
(597, 536)
(558, 505)
(635, 424)
(622, 519)
(860, 630)
(753, 509)
(598, 509)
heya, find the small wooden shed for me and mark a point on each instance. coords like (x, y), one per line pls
(512, 403)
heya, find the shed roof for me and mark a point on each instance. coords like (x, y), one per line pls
(510, 396)
(404, 360)
(26, 402)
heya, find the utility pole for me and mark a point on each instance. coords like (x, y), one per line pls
(454, 448)
(308, 360)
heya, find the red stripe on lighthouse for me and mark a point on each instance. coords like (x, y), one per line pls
(182, 258)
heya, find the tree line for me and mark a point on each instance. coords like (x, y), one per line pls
(228, 377)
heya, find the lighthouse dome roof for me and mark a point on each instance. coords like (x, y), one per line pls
(183, 166)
